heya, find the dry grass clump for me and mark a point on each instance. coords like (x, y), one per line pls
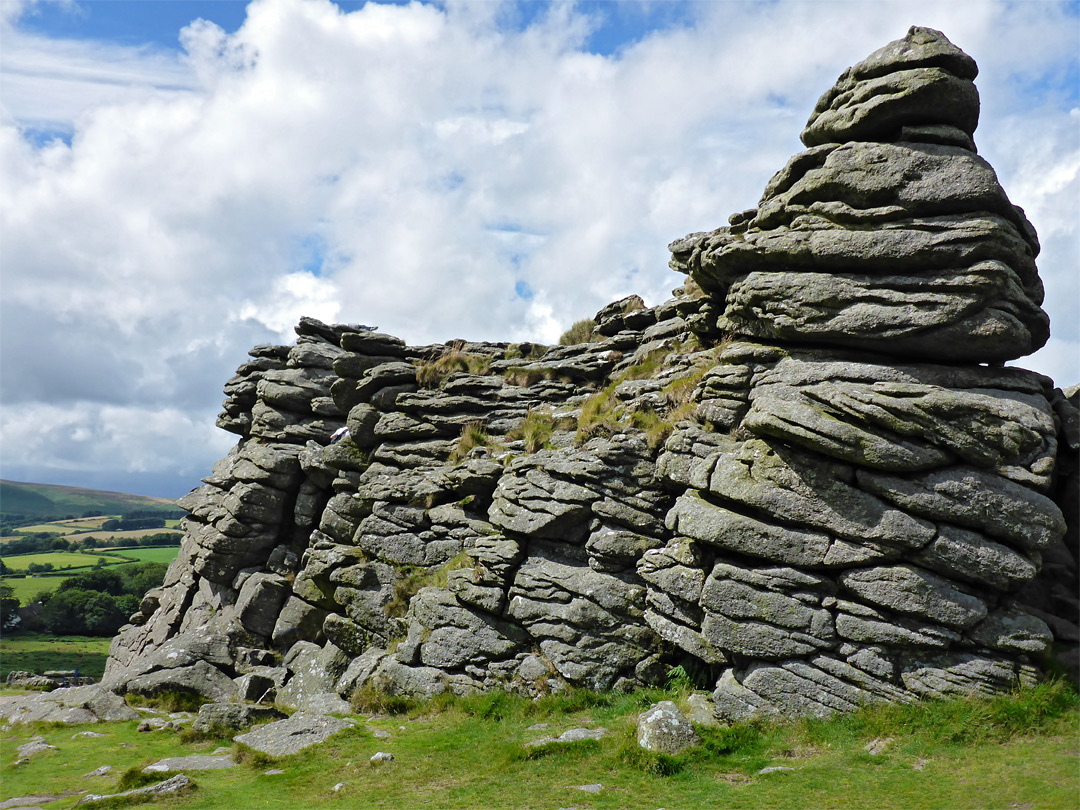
(525, 351)
(535, 431)
(433, 373)
(473, 435)
(580, 332)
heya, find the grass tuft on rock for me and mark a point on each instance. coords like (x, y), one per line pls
(433, 373)
(580, 332)
(535, 431)
(473, 435)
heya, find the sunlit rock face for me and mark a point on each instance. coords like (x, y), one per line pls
(807, 478)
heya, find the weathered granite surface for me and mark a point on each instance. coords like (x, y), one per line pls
(807, 478)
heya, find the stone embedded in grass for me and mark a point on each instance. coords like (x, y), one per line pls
(298, 732)
(664, 729)
(571, 736)
(593, 788)
(196, 762)
(877, 746)
(170, 787)
(383, 756)
(36, 745)
(775, 769)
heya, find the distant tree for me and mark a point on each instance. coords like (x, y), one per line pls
(79, 612)
(90, 542)
(9, 608)
(141, 578)
(3, 568)
(39, 568)
(103, 580)
(133, 524)
(161, 539)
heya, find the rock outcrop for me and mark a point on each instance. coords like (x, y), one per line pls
(807, 478)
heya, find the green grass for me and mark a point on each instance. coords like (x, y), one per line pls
(468, 753)
(26, 588)
(58, 559)
(50, 528)
(37, 652)
(162, 554)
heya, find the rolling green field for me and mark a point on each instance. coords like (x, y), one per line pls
(129, 536)
(1013, 751)
(158, 554)
(81, 528)
(25, 588)
(37, 652)
(58, 560)
(60, 527)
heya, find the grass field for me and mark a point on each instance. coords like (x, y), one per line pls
(159, 554)
(60, 527)
(1013, 751)
(131, 535)
(58, 560)
(78, 529)
(37, 652)
(26, 588)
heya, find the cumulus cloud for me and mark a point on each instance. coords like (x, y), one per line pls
(441, 171)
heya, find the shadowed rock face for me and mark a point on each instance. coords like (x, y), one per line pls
(813, 485)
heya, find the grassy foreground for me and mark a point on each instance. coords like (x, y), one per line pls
(1018, 750)
(38, 652)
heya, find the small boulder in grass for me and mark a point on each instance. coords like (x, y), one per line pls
(665, 730)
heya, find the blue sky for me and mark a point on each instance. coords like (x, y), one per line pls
(183, 180)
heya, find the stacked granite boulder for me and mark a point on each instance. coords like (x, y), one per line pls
(882, 496)
(806, 478)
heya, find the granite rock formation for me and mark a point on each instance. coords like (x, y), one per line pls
(807, 478)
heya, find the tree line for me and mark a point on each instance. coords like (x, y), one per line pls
(97, 603)
(40, 542)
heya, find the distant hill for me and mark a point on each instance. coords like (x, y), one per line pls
(52, 501)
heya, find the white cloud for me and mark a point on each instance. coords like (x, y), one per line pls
(427, 161)
(289, 294)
